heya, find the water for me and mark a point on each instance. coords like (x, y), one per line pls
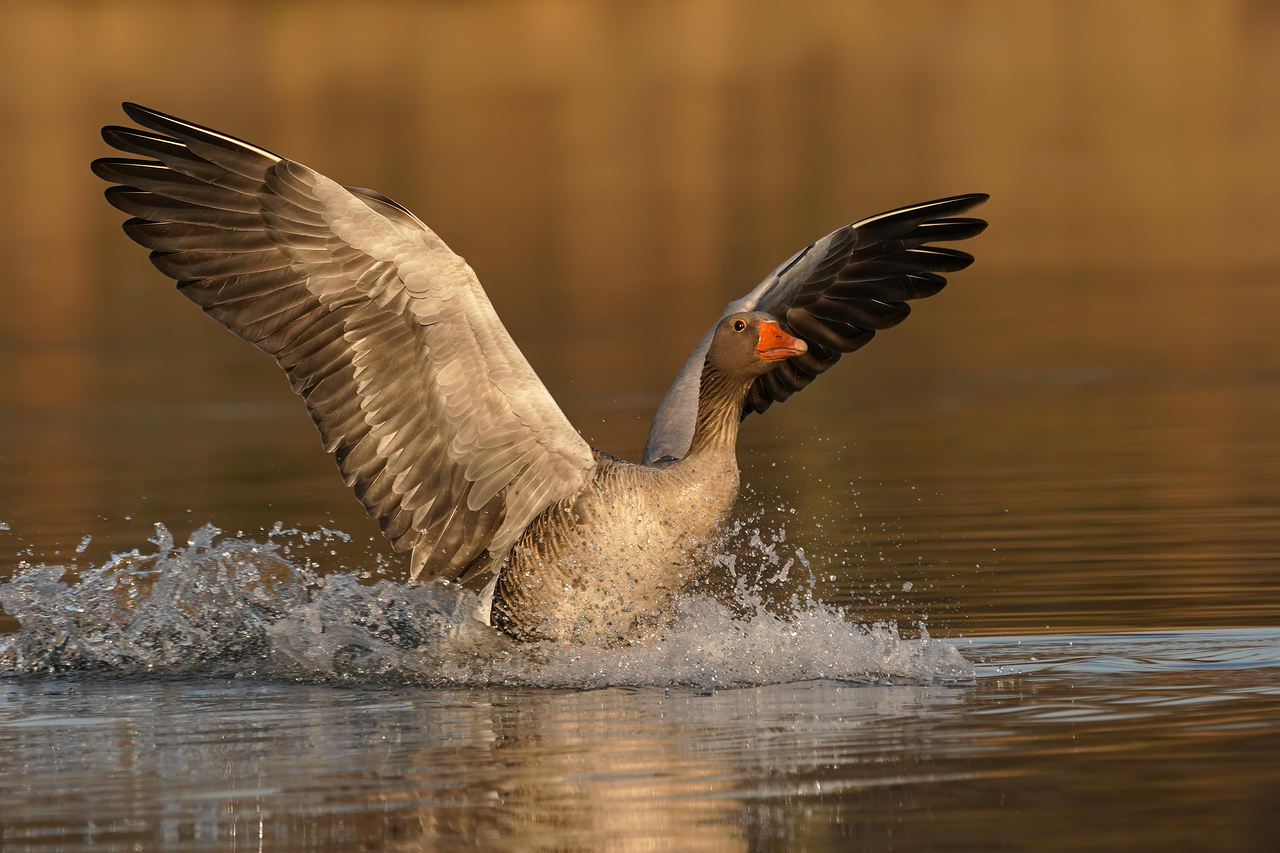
(1056, 743)
(1004, 580)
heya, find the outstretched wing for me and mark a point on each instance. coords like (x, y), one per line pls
(434, 416)
(835, 295)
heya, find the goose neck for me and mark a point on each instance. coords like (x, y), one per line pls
(720, 400)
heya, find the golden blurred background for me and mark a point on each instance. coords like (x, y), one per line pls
(1106, 373)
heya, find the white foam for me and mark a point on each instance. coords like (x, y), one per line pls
(235, 607)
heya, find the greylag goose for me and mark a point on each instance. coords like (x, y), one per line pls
(434, 416)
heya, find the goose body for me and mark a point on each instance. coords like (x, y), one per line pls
(435, 418)
(606, 562)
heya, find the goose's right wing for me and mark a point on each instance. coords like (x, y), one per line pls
(835, 295)
(435, 418)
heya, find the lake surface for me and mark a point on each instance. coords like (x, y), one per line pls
(1056, 742)
(1004, 580)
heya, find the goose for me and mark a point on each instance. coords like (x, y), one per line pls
(438, 422)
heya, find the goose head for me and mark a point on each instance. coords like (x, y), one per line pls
(749, 344)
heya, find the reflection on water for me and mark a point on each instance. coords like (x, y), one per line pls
(1077, 437)
(822, 765)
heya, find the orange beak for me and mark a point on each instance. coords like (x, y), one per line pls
(776, 344)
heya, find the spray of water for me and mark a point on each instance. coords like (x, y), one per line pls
(222, 606)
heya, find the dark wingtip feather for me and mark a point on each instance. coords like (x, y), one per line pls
(977, 199)
(936, 259)
(131, 140)
(193, 134)
(148, 117)
(102, 168)
(955, 205)
(948, 230)
(901, 221)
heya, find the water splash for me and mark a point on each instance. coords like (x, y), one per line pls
(239, 608)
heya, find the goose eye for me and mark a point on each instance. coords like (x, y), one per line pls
(738, 325)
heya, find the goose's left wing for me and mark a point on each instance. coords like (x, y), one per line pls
(435, 418)
(835, 295)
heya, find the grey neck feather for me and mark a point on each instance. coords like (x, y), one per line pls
(720, 399)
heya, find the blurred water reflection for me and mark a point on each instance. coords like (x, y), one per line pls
(1144, 754)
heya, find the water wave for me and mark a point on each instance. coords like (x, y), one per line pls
(232, 607)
